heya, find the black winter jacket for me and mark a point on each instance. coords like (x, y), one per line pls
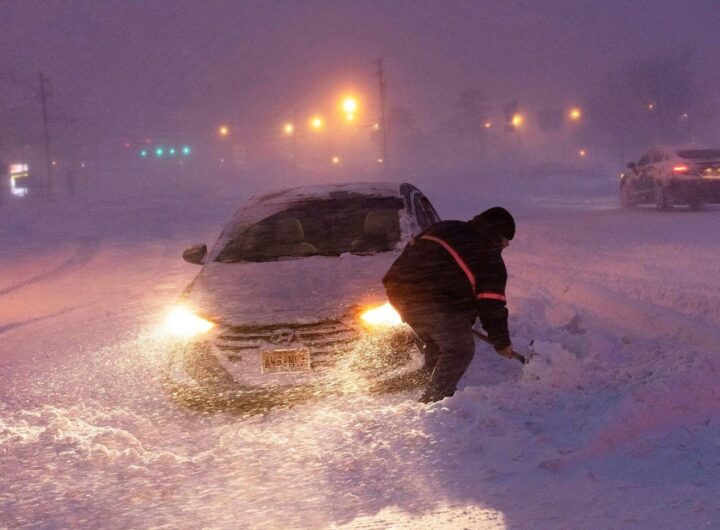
(426, 273)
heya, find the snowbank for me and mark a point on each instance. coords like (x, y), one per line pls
(614, 423)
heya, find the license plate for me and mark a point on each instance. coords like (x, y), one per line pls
(285, 361)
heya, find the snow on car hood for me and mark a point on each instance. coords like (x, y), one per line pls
(289, 290)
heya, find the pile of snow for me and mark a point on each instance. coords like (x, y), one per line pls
(615, 422)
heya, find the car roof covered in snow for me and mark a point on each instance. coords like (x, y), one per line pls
(327, 191)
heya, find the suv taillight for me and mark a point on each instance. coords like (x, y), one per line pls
(680, 168)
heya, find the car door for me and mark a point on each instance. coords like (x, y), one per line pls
(643, 182)
(656, 168)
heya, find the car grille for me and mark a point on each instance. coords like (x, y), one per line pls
(326, 340)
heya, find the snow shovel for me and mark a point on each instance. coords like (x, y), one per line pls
(515, 355)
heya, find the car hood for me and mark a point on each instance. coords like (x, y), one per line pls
(288, 291)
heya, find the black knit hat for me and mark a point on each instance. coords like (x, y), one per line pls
(500, 219)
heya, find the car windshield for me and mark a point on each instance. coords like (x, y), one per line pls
(328, 227)
(700, 154)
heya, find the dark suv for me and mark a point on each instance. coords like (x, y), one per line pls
(667, 177)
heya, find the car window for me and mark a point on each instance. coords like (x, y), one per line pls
(424, 211)
(429, 209)
(420, 213)
(700, 154)
(327, 227)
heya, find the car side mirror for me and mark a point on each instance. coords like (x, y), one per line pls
(195, 254)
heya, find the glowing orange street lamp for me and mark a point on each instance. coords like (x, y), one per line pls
(316, 123)
(518, 120)
(575, 114)
(223, 130)
(350, 105)
(487, 124)
(289, 128)
(336, 160)
(582, 153)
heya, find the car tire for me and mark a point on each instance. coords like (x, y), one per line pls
(626, 199)
(662, 198)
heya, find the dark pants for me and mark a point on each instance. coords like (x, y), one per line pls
(447, 341)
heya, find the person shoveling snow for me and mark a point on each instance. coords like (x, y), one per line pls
(449, 275)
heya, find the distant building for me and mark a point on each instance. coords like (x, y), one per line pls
(19, 176)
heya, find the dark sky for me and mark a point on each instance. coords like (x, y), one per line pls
(136, 66)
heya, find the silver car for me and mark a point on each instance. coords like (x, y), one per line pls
(670, 176)
(290, 299)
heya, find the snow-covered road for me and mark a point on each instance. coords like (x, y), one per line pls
(622, 429)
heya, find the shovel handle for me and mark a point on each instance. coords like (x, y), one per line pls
(515, 355)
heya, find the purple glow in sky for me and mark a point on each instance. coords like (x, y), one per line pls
(135, 68)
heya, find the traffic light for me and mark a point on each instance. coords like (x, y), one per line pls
(161, 151)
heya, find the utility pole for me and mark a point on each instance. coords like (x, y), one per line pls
(46, 136)
(295, 128)
(382, 85)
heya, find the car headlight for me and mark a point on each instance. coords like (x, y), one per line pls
(182, 322)
(382, 316)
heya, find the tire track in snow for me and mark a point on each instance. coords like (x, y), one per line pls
(84, 252)
(622, 313)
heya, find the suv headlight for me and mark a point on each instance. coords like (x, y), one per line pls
(183, 323)
(381, 316)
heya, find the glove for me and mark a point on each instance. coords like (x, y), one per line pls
(506, 352)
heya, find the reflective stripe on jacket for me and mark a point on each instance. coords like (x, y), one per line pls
(464, 267)
(454, 266)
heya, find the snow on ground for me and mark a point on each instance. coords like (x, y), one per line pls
(615, 423)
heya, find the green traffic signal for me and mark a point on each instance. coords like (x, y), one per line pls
(160, 151)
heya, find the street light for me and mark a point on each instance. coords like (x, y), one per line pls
(582, 153)
(575, 114)
(517, 120)
(336, 160)
(289, 128)
(316, 122)
(223, 130)
(487, 124)
(350, 105)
